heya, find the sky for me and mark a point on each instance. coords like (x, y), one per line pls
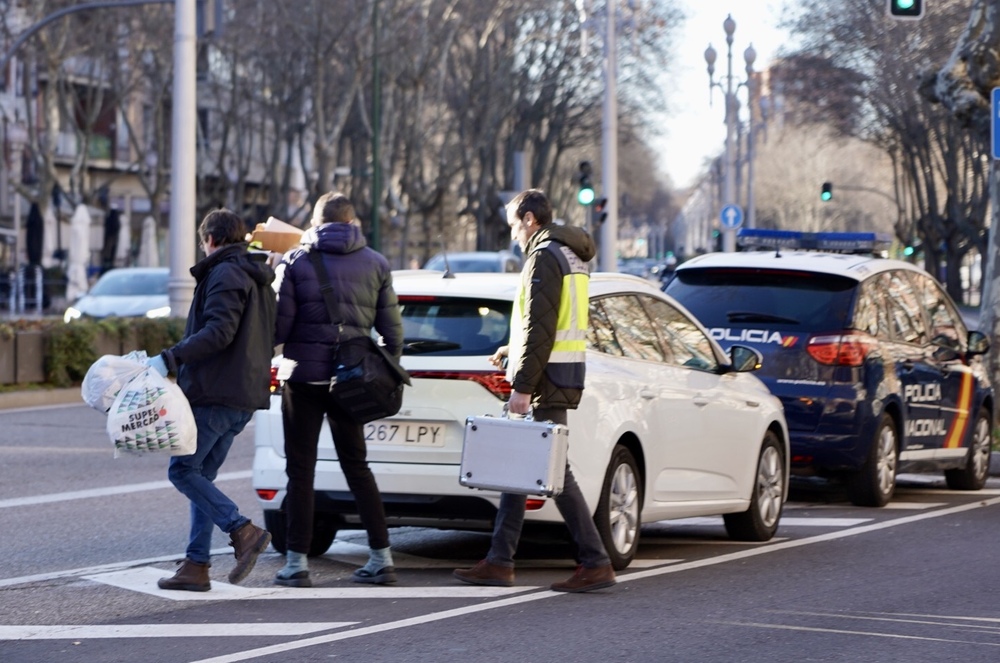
(695, 130)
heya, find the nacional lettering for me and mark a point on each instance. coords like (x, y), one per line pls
(745, 335)
(925, 428)
(929, 392)
(141, 419)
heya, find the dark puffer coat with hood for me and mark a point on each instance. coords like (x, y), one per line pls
(362, 291)
(225, 356)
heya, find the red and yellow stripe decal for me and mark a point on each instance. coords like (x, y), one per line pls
(961, 421)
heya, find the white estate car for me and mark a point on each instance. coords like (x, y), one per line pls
(669, 426)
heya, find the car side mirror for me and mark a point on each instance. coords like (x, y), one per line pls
(979, 343)
(744, 358)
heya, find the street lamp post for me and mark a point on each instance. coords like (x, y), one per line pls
(732, 112)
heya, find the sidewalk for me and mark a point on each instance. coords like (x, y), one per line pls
(37, 397)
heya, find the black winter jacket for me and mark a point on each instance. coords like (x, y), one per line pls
(225, 356)
(362, 290)
(541, 278)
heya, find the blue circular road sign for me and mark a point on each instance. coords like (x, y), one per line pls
(731, 217)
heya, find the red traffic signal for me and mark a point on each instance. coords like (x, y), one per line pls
(600, 205)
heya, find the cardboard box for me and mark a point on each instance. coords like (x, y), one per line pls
(278, 242)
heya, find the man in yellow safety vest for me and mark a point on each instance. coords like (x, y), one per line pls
(546, 366)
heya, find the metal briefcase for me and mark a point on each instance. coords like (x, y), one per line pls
(514, 455)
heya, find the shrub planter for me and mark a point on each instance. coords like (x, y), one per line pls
(29, 348)
(7, 360)
(107, 343)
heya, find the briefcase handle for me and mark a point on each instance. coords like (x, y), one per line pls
(507, 414)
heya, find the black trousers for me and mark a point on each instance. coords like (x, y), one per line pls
(303, 406)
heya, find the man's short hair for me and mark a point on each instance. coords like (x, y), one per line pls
(223, 226)
(534, 201)
(333, 208)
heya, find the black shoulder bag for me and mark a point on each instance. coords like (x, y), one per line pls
(367, 381)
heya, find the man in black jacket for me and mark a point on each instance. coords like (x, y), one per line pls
(223, 367)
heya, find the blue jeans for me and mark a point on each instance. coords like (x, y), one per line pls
(193, 476)
(571, 505)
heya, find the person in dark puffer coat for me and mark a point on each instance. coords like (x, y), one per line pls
(362, 289)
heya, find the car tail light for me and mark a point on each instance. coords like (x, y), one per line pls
(275, 382)
(267, 494)
(840, 349)
(534, 504)
(494, 381)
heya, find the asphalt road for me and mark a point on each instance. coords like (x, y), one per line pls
(87, 535)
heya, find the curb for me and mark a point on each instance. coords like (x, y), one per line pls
(18, 399)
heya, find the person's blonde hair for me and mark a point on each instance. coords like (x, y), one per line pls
(333, 208)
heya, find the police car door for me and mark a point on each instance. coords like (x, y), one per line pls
(948, 336)
(920, 380)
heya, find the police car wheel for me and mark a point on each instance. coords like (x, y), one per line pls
(760, 521)
(973, 475)
(618, 514)
(875, 482)
(324, 532)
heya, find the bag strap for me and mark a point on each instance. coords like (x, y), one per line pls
(325, 288)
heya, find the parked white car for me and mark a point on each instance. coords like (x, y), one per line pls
(669, 425)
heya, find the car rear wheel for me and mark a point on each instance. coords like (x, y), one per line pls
(324, 532)
(977, 461)
(760, 521)
(875, 482)
(619, 511)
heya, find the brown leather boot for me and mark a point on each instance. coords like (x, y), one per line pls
(484, 573)
(248, 542)
(191, 577)
(585, 580)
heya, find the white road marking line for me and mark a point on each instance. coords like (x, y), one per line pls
(110, 490)
(944, 491)
(76, 632)
(931, 620)
(788, 627)
(144, 580)
(913, 506)
(639, 575)
(994, 620)
(787, 522)
(113, 566)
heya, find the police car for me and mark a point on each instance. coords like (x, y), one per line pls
(875, 367)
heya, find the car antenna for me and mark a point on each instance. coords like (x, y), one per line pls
(448, 274)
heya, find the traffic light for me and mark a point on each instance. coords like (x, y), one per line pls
(600, 207)
(585, 195)
(826, 193)
(907, 10)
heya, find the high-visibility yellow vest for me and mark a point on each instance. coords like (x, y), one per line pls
(567, 363)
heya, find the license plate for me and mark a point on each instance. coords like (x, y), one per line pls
(407, 434)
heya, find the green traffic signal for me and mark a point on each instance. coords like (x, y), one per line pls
(908, 251)
(585, 194)
(906, 9)
(826, 193)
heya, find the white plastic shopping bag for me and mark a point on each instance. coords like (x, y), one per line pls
(106, 377)
(150, 413)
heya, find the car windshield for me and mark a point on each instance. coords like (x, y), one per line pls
(459, 264)
(125, 283)
(724, 297)
(453, 326)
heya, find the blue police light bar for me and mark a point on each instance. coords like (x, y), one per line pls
(858, 242)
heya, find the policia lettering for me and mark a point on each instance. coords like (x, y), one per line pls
(929, 392)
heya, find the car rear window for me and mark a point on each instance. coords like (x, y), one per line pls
(778, 298)
(453, 326)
